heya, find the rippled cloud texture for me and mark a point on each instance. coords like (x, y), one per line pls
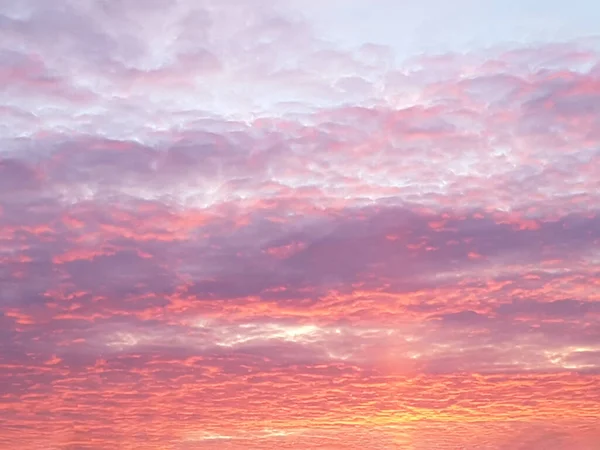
(223, 228)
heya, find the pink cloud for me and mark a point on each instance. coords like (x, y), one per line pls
(219, 231)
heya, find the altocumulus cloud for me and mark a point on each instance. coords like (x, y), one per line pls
(218, 229)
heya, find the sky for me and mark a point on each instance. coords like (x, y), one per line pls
(285, 224)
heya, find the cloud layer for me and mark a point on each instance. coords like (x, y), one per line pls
(218, 230)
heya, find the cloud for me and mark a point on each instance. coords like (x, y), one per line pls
(219, 229)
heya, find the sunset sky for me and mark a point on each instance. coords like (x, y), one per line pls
(299, 224)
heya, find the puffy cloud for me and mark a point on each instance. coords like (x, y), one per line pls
(218, 230)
